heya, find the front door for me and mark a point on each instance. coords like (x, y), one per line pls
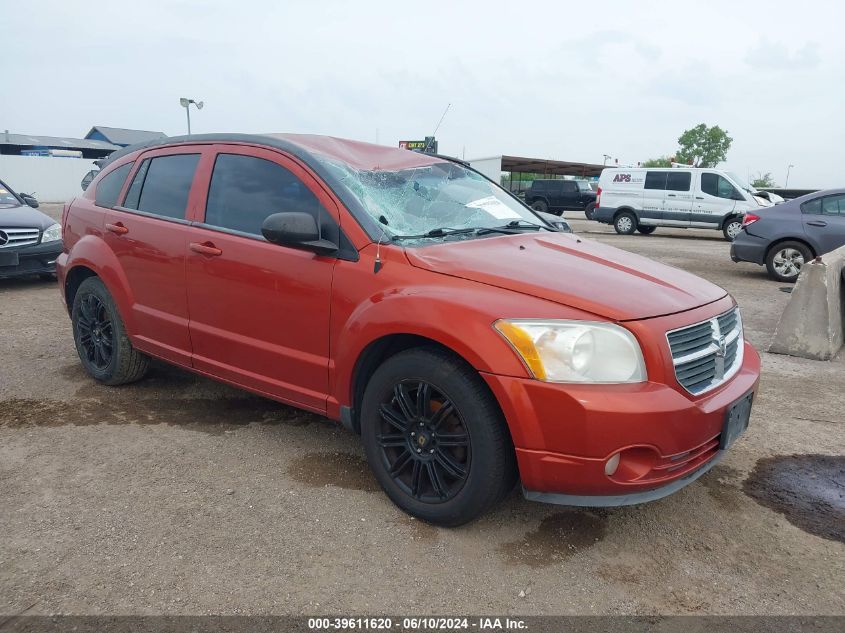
(260, 311)
(148, 234)
(715, 199)
(824, 221)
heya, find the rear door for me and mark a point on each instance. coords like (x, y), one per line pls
(654, 193)
(824, 221)
(677, 203)
(260, 311)
(148, 234)
(714, 200)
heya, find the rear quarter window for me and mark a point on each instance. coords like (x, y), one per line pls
(108, 189)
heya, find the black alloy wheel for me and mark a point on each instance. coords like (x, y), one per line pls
(435, 437)
(96, 333)
(424, 442)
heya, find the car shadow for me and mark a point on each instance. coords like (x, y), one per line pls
(26, 283)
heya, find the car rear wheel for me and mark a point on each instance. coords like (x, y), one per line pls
(589, 210)
(785, 260)
(435, 437)
(100, 337)
(541, 206)
(732, 228)
(646, 229)
(625, 223)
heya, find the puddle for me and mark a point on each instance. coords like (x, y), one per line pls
(557, 537)
(343, 470)
(809, 490)
(209, 415)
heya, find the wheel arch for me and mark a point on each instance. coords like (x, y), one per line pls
(374, 355)
(781, 240)
(620, 210)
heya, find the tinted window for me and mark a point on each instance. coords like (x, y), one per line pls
(569, 186)
(655, 180)
(108, 189)
(716, 185)
(678, 180)
(245, 190)
(833, 205)
(134, 193)
(163, 187)
(813, 207)
(538, 184)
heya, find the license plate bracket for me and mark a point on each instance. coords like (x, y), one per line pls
(9, 259)
(736, 422)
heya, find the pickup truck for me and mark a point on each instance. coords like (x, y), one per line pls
(556, 196)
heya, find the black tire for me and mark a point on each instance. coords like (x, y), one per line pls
(646, 229)
(100, 337)
(540, 205)
(785, 259)
(625, 223)
(589, 210)
(473, 472)
(731, 228)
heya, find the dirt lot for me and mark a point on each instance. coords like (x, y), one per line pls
(180, 495)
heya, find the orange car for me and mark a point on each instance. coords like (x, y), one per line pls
(468, 341)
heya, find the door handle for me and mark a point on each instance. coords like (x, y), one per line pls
(699, 197)
(670, 195)
(117, 228)
(206, 248)
(817, 223)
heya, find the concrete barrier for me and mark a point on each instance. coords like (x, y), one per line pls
(811, 325)
(51, 179)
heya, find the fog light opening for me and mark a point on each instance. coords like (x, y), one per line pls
(611, 465)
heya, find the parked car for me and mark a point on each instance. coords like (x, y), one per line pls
(30, 241)
(418, 303)
(786, 236)
(643, 199)
(557, 196)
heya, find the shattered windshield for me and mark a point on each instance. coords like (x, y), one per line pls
(445, 199)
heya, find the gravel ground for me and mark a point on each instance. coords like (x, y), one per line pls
(179, 495)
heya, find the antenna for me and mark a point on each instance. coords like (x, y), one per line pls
(377, 266)
(434, 134)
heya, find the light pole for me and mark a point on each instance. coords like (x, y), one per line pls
(786, 184)
(606, 158)
(186, 103)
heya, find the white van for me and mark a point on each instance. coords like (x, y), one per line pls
(642, 199)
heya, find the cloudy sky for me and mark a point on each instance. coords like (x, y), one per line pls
(571, 81)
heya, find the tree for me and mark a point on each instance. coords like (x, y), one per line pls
(763, 181)
(662, 161)
(703, 146)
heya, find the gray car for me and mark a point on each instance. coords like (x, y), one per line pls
(785, 236)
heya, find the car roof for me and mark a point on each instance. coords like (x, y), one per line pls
(315, 151)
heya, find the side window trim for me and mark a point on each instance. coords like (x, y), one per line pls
(155, 216)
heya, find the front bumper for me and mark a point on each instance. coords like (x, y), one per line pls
(564, 435)
(32, 260)
(749, 248)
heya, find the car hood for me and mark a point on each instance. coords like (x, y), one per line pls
(23, 217)
(572, 271)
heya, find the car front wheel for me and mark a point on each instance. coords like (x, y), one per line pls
(435, 437)
(732, 229)
(785, 260)
(590, 210)
(100, 337)
(540, 206)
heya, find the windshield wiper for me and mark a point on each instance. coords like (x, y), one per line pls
(511, 228)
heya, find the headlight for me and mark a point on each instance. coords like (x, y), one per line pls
(53, 233)
(575, 351)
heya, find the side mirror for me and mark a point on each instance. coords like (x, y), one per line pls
(28, 199)
(296, 230)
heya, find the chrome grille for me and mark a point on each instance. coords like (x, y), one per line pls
(707, 354)
(10, 238)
